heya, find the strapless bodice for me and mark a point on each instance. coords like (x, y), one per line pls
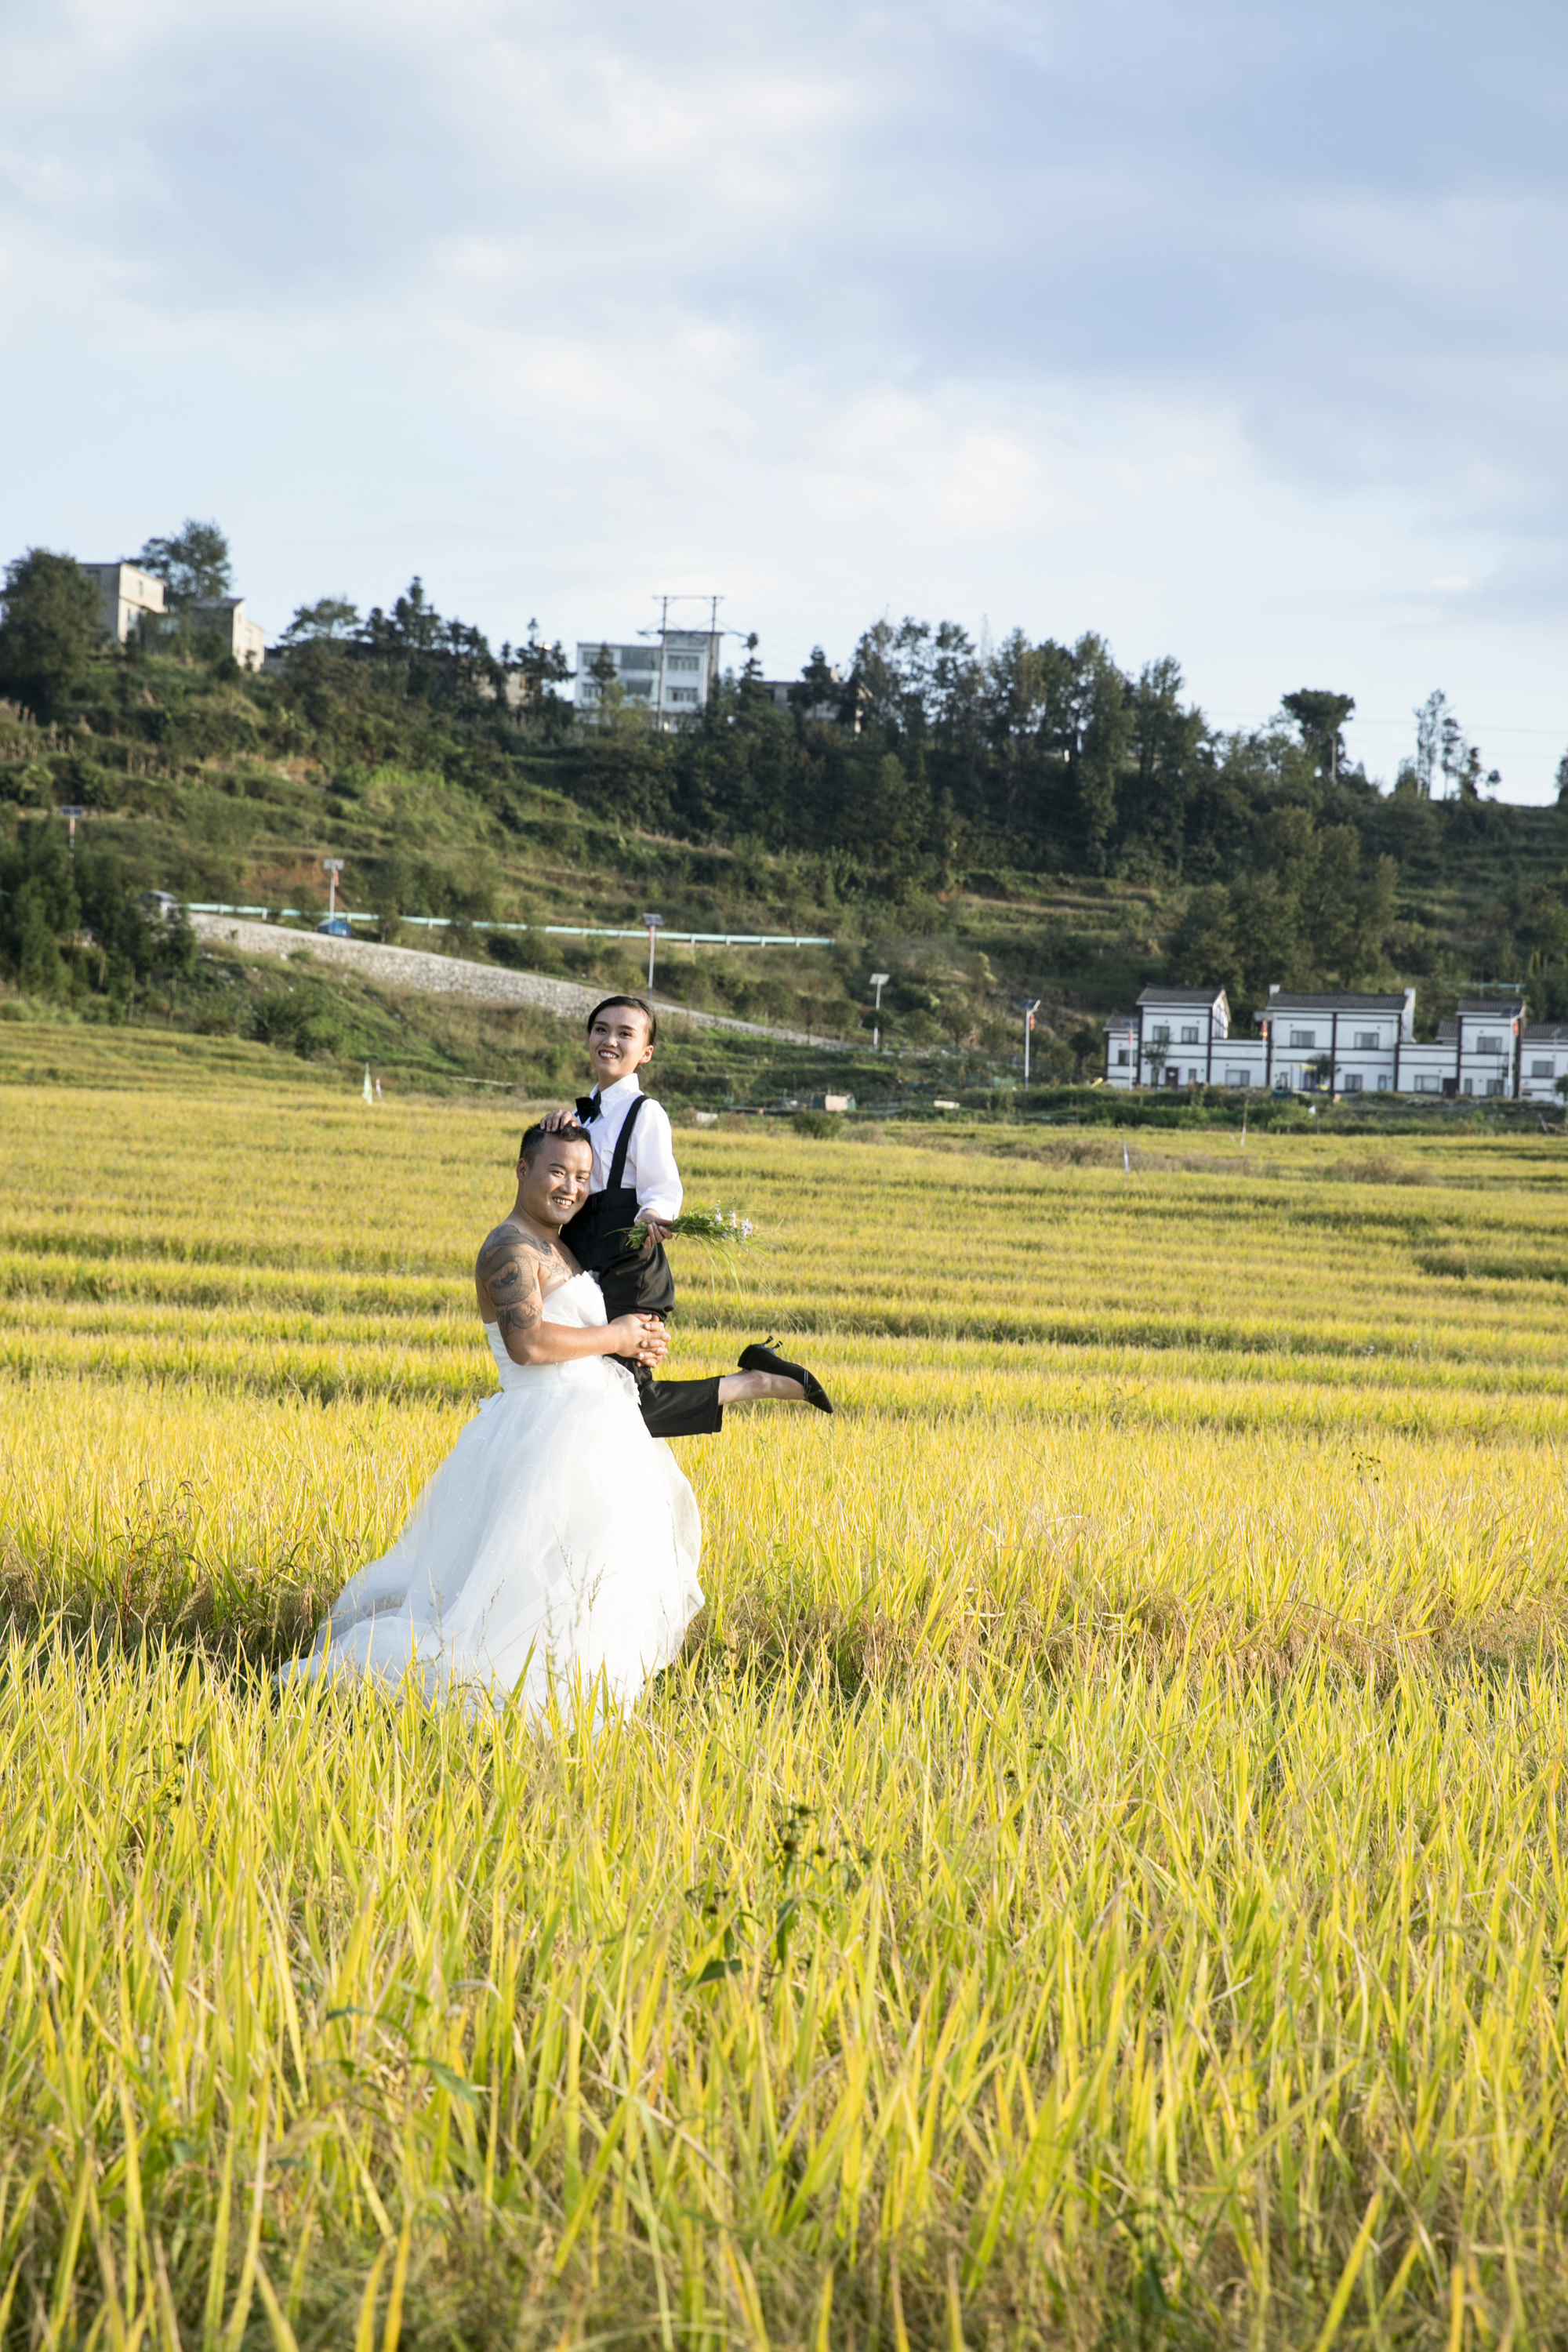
(580, 1302)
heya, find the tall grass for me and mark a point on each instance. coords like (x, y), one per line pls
(1096, 1876)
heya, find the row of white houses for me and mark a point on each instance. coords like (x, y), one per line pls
(1336, 1043)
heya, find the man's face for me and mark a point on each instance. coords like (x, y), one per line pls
(553, 1184)
(618, 1043)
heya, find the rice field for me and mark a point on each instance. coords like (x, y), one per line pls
(1097, 1877)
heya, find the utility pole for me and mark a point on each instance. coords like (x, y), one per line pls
(331, 867)
(878, 980)
(663, 645)
(1028, 1006)
(655, 924)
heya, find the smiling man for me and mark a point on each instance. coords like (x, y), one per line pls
(522, 1261)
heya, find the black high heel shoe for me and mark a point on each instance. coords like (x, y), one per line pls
(760, 1357)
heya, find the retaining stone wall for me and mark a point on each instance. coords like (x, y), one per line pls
(442, 975)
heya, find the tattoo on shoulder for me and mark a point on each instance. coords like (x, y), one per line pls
(521, 1315)
(517, 1269)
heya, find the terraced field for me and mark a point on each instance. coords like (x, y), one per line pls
(1096, 1876)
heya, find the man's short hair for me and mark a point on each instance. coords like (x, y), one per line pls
(532, 1137)
(633, 1003)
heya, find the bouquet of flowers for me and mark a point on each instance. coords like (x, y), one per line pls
(725, 1226)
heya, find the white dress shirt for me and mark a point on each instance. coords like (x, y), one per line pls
(650, 1168)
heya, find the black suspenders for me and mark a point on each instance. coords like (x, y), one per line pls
(617, 1175)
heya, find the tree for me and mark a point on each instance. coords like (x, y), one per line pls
(1440, 746)
(1086, 1045)
(1098, 740)
(390, 888)
(1429, 738)
(609, 694)
(1166, 743)
(333, 617)
(51, 624)
(193, 565)
(821, 688)
(535, 670)
(1563, 781)
(1319, 715)
(1203, 948)
(448, 664)
(1157, 1054)
(38, 909)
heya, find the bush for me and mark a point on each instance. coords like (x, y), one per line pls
(303, 1015)
(821, 1124)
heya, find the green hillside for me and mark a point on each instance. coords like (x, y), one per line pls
(1237, 859)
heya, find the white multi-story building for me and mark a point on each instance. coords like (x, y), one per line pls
(1543, 1058)
(670, 676)
(128, 598)
(1334, 1042)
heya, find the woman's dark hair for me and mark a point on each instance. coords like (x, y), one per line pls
(532, 1137)
(635, 1004)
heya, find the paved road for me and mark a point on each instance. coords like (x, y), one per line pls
(485, 984)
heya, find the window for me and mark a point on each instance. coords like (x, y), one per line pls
(1303, 1037)
(1123, 1058)
(1352, 1082)
(1368, 1040)
(1161, 1033)
(682, 661)
(1494, 1086)
(1541, 1069)
(680, 694)
(1382, 1082)
(1427, 1082)
(1489, 1045)
(1237, 1078)
(638, 658)
(1469, 1086)
(1190, 1033)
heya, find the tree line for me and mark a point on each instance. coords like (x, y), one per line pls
(930, 759)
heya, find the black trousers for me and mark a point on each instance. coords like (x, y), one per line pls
(677, 1408)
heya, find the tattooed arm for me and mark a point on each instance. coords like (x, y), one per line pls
(510, 1281)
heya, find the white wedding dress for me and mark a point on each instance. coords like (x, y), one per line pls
(557, 1542)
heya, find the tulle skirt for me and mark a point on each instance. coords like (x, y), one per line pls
(556, 1547)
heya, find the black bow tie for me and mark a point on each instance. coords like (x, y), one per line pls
(588, 1110)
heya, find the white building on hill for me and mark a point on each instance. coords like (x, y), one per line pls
(131, 600)
(225, 617)
(671, 678)
(128, 597)
(1336, 1042)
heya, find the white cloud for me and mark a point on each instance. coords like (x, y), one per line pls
(1149, 318)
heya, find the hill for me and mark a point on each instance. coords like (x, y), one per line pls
(1239, 859)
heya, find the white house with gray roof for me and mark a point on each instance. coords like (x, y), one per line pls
(1335, 1041)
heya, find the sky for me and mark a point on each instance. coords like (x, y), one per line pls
(1235, 330)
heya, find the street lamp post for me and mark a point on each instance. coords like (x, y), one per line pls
(878, 980)
(655, 924)
(332, 867)
(70, 814)
(1028, 1006)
